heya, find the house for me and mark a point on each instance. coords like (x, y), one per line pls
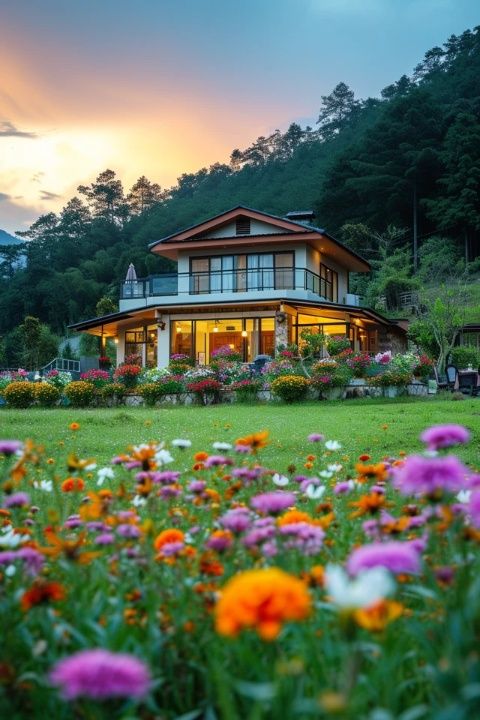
(247, 279)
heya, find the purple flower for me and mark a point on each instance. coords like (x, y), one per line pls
(105, 539)
(273, 502)
(10, 447)
(197, 486)
(474, 509)
(307, 538)
(398, 557)
(219, 542)
(236, 520)
(216, 460)
(430, 476)
(128, 531)
(172, 548)
(169, 491)
(344, 486)
(101, 674)
(315, 437)
(442, 436)
(32, 558)
(19, 499)
(72, 522)
(247, 474)
(258, 535)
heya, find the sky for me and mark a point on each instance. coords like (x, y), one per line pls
(163, 87)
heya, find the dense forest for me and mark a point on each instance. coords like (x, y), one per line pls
(396, 177)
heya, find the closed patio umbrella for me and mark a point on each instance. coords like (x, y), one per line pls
(131, 273)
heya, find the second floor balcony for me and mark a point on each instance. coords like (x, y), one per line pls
(202, 285)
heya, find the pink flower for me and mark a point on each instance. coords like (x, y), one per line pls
(398, 557)
(474, 509)
(442, 436)
(100, 674)
(430, 476)
(273, 502)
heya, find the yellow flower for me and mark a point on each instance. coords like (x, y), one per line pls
(261, 600)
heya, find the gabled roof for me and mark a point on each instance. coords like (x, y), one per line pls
(285, 226)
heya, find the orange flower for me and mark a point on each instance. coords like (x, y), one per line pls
(74, 426)
(73, 484)
(41, 592)
(98, 505)
(364, 457)
(75, 463)
(261, 600)
(377, 472)
(69, 548)
(171, 535)
(368, 504)
(254, 441)
(200, 456)
(376, 617)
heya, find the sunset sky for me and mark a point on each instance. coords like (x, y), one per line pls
(162, 87)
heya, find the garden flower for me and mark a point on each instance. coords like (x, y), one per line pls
(163, 457)
(316, 437)
(222, 446)
(32, 558)
(279, 480)
(253, 442)
(474, 509)
(438, 437)
(10, 447)
(42, 592)
(376, 617)
(181, 443)
(105, 538)
(106, 473)
(220, 540)
(100, 674)
(128, 531)
(217, 460)
(398, 557)
(304, 536)
(45, 485)
(261, 600)
(430, 476)
(333, 445)
(369, 587)
(72, 484)
(344, 486)
(168, 536)
(273, 502)
(19, 499)
(315, 492)
(236, 520)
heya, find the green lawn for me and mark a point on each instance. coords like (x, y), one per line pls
(379, 427)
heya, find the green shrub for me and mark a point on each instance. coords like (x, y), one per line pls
(463, 356)
(113, 390)
(80, 393)
(47, 395)
(19, 394)
(151, 393)
(290, 388)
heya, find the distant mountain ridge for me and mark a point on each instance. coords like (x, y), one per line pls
(7, 239)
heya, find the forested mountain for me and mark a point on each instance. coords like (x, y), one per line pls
(410, 159)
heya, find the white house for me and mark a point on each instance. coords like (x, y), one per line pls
(248, 279)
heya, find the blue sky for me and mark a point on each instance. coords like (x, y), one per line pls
(161, 87)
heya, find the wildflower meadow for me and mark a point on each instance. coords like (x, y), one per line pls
(183, 579)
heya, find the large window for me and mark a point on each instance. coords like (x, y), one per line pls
(328, 283)
(239, 273)
(142, 341)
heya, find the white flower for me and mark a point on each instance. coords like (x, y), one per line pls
(10, 539)
(222, 446)
(163, 457)
(332, 445)
(90, 467)
(181, 443)
(315, 492)
(280, 480)
(366, 589)
(325, 474)
(334, 467)
(138, 501)
(10, 570)
(464, 496)
(105, 473)
(45, 485)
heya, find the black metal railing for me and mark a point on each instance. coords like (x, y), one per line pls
(230, 281)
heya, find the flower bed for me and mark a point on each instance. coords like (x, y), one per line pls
(175, 576)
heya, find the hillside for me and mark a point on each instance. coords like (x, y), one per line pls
(409, 159)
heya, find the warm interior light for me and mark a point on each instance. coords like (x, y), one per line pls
(231, 345)
(215, 327)
(244, 333)
(179, 329)
(115, 340)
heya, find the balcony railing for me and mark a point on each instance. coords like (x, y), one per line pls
(231, 281)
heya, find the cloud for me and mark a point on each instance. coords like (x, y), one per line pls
(4, 196)
(45, 195)
(7, 129)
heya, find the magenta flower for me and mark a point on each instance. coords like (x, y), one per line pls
(273, 502)
(442, 436)
(316, 437)
(217, 460)
(105, 538)
(101, 674)
(430, 476)
(19, 499)
(236, 520)
(398, 557)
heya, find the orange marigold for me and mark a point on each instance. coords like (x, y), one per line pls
(74, 426)
(261, 600)
(254, 441)
(73, 484)
(171, 535)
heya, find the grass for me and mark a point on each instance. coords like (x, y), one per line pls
(381, 427)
